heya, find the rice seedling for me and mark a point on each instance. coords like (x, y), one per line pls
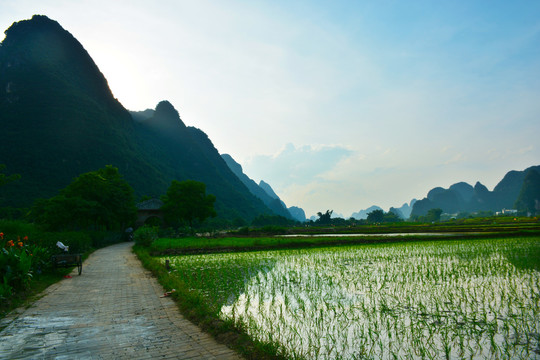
(452, 299)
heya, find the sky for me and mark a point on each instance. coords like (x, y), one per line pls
(338, 105)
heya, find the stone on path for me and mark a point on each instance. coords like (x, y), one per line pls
(112, 311)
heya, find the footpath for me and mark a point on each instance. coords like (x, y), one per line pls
(113, 310)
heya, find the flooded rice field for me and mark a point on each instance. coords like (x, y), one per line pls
(444, 299)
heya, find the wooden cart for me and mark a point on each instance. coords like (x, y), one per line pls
(68, 260)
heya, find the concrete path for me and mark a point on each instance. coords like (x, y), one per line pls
(112, 311)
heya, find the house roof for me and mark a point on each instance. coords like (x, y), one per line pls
(152, 204)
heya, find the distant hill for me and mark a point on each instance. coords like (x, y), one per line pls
(362, 214)
(404, 211)
(529, 195)
(262, 191)
(58, 119)
(298, 213)
(463, 197)
(268, 189)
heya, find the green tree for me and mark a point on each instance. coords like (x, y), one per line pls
(376, 216)
(433, 215)
(187, 201)
(277, 220)
(8, 212)
(99, 199)
(391, 217)
(5, 179)
(325, 218)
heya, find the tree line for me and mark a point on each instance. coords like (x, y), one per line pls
(103, 200)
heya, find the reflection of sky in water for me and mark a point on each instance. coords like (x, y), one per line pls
(404, 299)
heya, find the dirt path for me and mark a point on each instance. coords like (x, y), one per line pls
(112, 311)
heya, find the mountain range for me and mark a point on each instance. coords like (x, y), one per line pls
(463, 197)
(519, 190)
(264, 192)
(59, 118)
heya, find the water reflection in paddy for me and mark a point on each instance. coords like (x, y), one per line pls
(450, 299)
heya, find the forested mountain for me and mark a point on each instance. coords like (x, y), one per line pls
(463, 197)
(296, 212)
(58, 119)
(529, 195)
(185, 152)
(273, 202)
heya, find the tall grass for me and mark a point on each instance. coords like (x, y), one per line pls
(445, 299)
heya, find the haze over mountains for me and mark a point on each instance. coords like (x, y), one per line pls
(59, 119)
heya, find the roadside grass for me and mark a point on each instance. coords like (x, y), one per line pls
(24, 299)
(195, 309)
(43, 244)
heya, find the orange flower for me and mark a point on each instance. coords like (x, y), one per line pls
(20, 244)
(10, 243)
(2, 235)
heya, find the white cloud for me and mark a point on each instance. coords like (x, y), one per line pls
(296, 165)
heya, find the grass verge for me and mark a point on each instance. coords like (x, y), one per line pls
(25, 298)
(193, 307)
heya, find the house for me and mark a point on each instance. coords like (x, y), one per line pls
(149, 211)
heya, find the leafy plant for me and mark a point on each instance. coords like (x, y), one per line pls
(15, 266)
(145, 235)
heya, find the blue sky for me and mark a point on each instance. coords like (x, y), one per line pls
(338, 105)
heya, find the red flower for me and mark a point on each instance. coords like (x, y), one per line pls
(10, 243)
(2, 235)
(25, 238)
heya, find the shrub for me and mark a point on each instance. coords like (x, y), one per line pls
(273, 229)
(78, 242)
(13, 228)
(101, 239)
(145, 235)
(15, 266)
(243, 231)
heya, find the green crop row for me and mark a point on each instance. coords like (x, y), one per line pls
(432, 299)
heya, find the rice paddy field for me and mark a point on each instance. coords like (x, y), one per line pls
(455, 299)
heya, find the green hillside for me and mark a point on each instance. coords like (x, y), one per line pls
(59, 119)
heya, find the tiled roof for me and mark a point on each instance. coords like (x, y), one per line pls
(152, 204)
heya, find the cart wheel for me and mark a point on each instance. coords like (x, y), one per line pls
(80, 267)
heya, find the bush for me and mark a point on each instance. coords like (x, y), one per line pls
(15, 266)
(273, 229)
(77, 242)
(14, 228)
(243, 231)
(146, 235)
(101, 239)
